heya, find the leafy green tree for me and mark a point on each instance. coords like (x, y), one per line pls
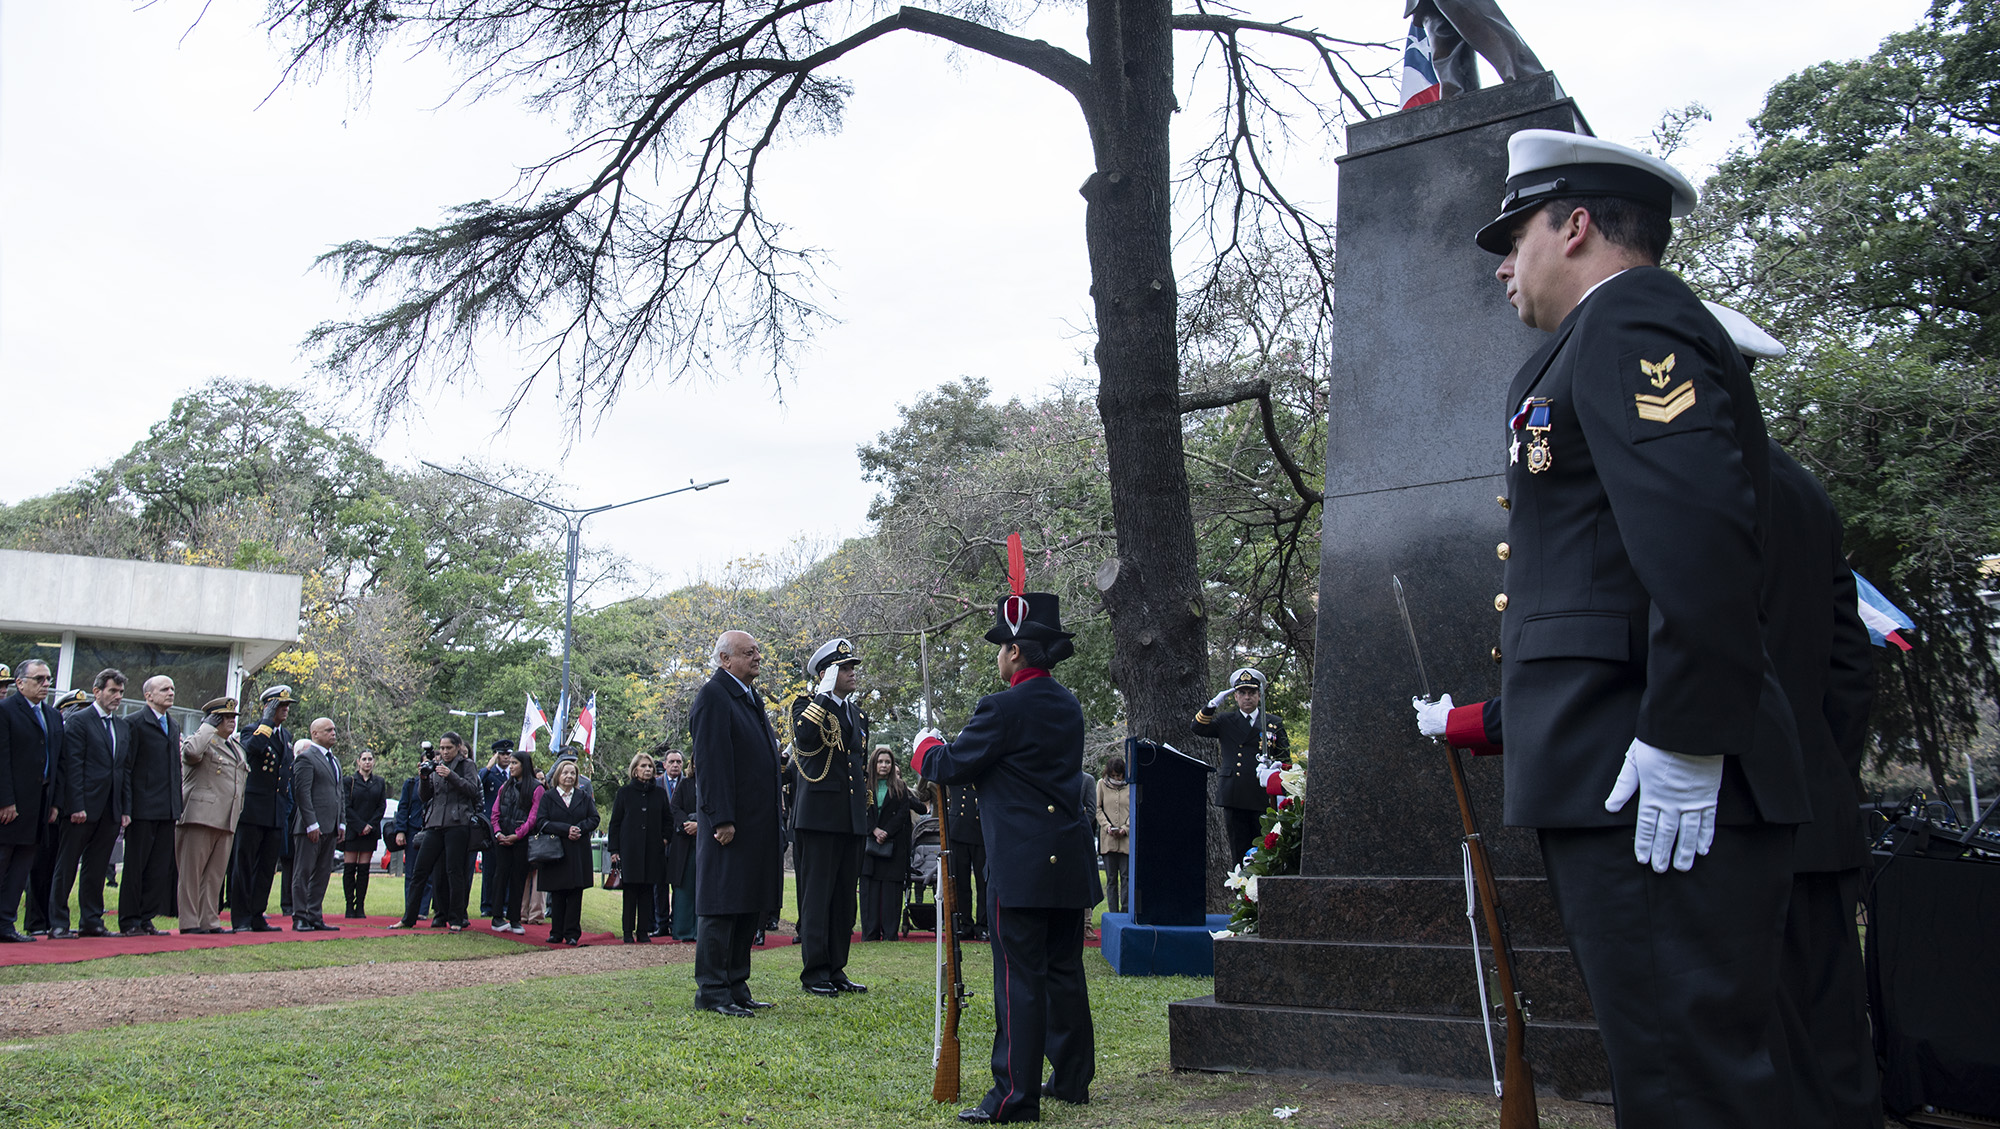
(1862, 223)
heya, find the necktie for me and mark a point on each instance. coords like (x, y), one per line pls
(111, 737)
(48, 755)
(164, 726)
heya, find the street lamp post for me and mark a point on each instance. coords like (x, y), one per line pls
(475, 716)
(572, 518)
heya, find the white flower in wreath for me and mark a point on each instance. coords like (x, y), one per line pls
(1222, 934)
(1237, 879)
(1294, 781)
(1250, 888)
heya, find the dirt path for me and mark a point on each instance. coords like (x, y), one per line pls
(62, 1007)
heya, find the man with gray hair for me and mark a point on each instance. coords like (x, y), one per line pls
(739, 860)
(153, 780)
(316, 811)
(30, 747)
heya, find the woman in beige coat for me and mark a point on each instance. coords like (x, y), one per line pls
(1114, 832)
(213, 775)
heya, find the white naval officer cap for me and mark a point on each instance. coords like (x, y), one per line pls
(1247, 678)
(1749, 337)
(833, 652)
(1550, 164)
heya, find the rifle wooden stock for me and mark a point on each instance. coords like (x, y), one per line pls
(944, 1083)
(1517, 1078)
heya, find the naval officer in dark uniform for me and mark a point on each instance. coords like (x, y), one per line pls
(1024, 749)
(1643, 718)
(1247, 736)
(262, 829)
(1826, 665)
(829, 781)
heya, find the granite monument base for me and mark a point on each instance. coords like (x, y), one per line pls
(1159, 950)
(1362, 967)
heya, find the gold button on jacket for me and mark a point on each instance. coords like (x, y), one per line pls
(1500, 602)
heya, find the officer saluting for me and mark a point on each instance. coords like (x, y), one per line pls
(829, 781)
(1633, 657)
(1024, 749)
(1248, 735)
(261, 831)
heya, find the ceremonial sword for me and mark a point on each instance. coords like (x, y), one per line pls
(1517, 1087)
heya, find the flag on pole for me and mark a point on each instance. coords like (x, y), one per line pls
(531, 721)
(586, 724)
(1886, 622)
(1420, 79)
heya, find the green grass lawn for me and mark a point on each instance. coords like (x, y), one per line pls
(611, 1049)
(273, 957)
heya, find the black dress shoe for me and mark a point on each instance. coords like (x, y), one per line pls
(302, 926)
(845, 985)
(730, 1010)
(12, 938)
(93, 931)
(61, 933)
(756, 1005)
(1049, 1091)
(822, 989)
(328, 928)
(975, 1115)
(259, 925)
(190, 932)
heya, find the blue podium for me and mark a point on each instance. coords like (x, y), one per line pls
(1167, 932)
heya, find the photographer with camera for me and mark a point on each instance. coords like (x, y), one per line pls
(449, 787)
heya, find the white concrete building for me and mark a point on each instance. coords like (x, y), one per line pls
(205, 627)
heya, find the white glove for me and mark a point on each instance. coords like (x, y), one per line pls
(1215, 703)
(827, 678)
(922, 736)
(1432, 716)
(1677, 794)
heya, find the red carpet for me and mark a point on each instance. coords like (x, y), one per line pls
(45, 951)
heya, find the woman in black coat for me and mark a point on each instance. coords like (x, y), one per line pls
(364, 798)
(637, 843)
(569, 814)
(885, 862)
(517, 807)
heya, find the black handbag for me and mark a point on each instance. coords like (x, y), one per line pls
(614, 879)
(544, 849)
(884, 849)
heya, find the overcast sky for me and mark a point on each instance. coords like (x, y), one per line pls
(159, 217)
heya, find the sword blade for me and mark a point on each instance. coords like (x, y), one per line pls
(1410, 629)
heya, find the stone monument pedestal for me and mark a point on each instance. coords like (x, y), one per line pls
(1362, 969)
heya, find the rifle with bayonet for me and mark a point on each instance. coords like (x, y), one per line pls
(950, 980)
(1517, 1085)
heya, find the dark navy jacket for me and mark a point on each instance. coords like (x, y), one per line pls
(1023, 748)
(29, 760)
(1633, 587)
(838, 800)
(736, 758)
(1236, 784)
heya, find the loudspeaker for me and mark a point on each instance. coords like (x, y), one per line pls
(1169, 834)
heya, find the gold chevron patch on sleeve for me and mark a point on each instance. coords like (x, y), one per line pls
(1663, 409)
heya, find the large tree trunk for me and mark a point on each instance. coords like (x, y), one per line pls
(1158, 628)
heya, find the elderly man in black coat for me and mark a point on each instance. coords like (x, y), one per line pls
(739, 857)
(154, 770)
(30, 747)
(1023, 747)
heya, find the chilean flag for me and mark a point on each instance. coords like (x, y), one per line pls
(586, 724)
(1885, 620)
(1420, 79)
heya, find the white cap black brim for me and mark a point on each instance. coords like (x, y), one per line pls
(1750, 338)
(1550, 164)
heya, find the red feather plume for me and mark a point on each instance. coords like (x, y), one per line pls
(1017, 565)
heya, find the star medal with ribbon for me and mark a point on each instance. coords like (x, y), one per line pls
(1534, 416)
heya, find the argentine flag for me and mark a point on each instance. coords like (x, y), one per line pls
(1886, 622)
(1420, 80)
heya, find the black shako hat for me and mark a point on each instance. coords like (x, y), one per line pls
(1550, 164)
(1035, 617)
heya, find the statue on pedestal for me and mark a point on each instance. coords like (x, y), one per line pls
(1439, 60)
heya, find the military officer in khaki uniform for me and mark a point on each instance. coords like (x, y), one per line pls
(1250, 734)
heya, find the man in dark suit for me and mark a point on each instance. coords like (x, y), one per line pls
(968, 844)
(679, 920)
(316, 832)
(739, 858)
(1024, 748)
(829, 778)
(154, 784)
(1248, 736)
(30, 750)
(263, 826)
(1634, 664)
(92, 805)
